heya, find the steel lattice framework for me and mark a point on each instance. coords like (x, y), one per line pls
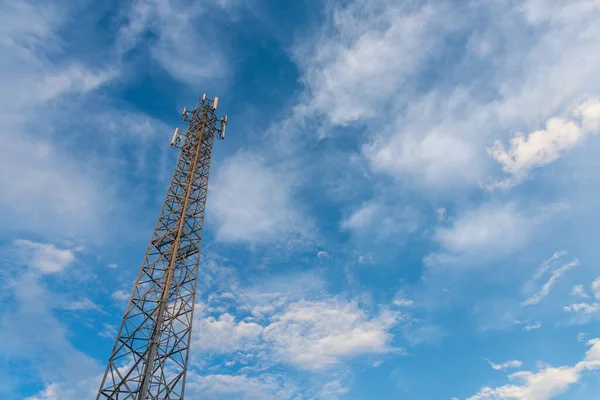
(149, 358)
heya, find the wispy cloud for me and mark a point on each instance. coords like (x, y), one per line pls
(489, 230)
(531, 327)
(173, 24)
(505, 365)
(251, 201)
(545, 290)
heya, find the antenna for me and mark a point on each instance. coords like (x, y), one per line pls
(176, 137)
(223, 126)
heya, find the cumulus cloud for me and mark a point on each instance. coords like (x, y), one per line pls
(43, 257)
(224, 334)
(252, 202)
(309, 335)
(544, 146)
(317, 335)
(545, 384)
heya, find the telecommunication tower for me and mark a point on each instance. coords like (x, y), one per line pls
(150, 355)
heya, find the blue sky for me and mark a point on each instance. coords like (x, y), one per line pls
(405, 206)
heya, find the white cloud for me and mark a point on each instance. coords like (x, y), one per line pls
(81, 305)
(50, 357)
(379, 219)
(322, 254)
(224, 334)
(51, 183)
(596, 287)
(505, 365)
(403, 302)
(441, 214)
(489, 225)
(240, 387)
(332, 391)
(310, 335)
(317, 335)
(175, 25)
(365, 56)
(112, 266)
(548, 263)
(585, 309)
(545, 290)
(362, 217)
(54, 183)
(434, 159)
(488, 230)
(545, 384)
(121, 295)
(45, 258)
(252, 202)
(74, 390)
(372, 65)
(579, 291)
(108, 331)
(531, 327)
(544, 146)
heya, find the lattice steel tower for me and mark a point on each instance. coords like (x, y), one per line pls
(149, 358)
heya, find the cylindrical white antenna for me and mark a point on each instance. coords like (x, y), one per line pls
(175, 136)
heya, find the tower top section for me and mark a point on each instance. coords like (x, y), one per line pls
(205, 108)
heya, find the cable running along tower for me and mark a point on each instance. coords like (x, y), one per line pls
(150, 355)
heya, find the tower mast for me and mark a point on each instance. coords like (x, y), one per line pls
(150, 355)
